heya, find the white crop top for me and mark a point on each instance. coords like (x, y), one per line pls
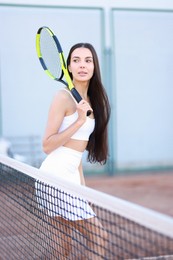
(84, 132)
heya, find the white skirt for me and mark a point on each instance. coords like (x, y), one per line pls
(63, 163)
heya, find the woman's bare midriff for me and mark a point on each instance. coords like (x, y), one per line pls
(78, 145)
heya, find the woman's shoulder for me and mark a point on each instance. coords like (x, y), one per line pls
(60, 102)
(65, 95)
(62, 94)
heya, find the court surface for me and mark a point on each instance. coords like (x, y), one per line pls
(152, 190)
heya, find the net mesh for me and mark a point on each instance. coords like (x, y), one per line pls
(31, 229)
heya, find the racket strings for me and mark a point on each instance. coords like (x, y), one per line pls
(50, 54)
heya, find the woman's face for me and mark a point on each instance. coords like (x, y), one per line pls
(81, 64)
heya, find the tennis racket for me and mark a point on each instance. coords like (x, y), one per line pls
(52, 59)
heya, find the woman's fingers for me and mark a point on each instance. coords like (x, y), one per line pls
(84, 105)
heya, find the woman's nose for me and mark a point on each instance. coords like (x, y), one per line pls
(82, 65)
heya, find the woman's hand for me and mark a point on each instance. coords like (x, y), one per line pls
(82, 107)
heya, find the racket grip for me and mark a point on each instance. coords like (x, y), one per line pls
(78, 98)
(76, 95)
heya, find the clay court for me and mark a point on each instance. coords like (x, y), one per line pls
(151, 190)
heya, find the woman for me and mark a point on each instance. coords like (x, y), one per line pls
(69, 132)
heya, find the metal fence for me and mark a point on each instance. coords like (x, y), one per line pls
(26, 149)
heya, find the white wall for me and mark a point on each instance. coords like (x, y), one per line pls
(143, 87)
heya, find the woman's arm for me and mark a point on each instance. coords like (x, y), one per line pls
(82, 179)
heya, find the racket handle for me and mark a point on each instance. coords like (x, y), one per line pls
(78, 98)
(76, 95)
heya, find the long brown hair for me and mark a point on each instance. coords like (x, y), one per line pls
(98, 142)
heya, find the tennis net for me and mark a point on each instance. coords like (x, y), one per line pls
(55, 219)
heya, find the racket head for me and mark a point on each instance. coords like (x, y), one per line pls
(50, 53)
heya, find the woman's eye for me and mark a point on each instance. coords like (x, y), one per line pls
(88, 61)
(76, 60)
